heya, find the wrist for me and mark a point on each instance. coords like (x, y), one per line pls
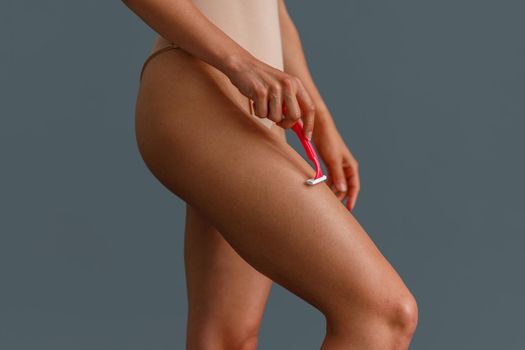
(322, 114)
(235, 62)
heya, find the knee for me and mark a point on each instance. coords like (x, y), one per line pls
(396, 309)
(390, 319)
(225, 338)
(240, 341)
(402, 314)
(248, 343)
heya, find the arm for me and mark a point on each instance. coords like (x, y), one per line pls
(295, 62)
(343, 176)
(181, 22)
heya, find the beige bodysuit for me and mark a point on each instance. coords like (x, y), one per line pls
(253, 24)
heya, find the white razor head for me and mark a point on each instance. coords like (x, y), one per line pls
(312, 182)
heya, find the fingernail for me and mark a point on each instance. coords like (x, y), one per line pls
(309, 135)
(341, 186)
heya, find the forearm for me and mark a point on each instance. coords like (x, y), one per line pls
(181, 22)
(295, 62)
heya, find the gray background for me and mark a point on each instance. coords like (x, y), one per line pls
(427, 94)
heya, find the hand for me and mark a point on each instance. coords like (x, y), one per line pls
(343, 175)
(269, 88)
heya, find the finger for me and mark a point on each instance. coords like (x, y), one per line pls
(348, 203)
(307, 111)
(275, 104)
(338, 176)
(352, 174)
(260, 100)
(293, 111)
(330, 183)
(341, 195)
(350, 200)
(346, 198)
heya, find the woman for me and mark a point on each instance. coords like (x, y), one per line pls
(250, 218)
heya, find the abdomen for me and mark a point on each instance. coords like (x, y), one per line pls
(253, 24)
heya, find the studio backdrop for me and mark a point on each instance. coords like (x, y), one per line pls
(429, 96)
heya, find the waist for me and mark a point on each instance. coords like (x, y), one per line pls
(254, 25)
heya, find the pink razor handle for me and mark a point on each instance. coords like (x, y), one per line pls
(310, 152)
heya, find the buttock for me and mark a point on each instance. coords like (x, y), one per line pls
(245, 102)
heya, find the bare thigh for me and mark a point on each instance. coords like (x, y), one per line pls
(218, 278)
(200, 143)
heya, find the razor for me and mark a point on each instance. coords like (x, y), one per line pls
(310, 152)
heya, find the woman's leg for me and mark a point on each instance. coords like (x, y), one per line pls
(201, 144)
(226, 295)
